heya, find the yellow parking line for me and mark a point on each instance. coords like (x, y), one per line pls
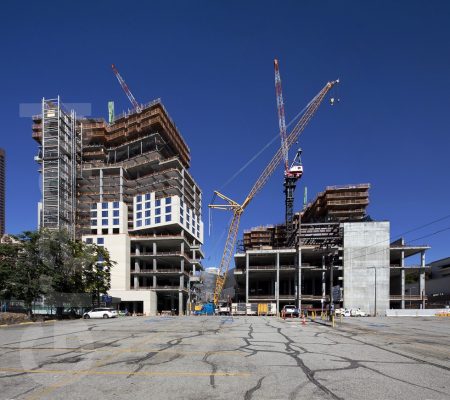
(138, 373)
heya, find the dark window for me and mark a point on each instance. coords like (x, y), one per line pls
(105, 214)
(100, 240)
(89, 240)
(93, 214)
(168, 218)
(148, 205)
(93, 222)
(104, 222)
(157, 220)
(139, 215)
(115, 213)
(116, 221)
(105, 206)
(147, 213)
(93, 206)
(115, 231)
(147, 221)
(157, 211)
(93, 231)
(139, 199)
(158, 202)
(147, 196)
(116, 204)
(138, 207)
(168, 209)
(138, 223)
(105, 231)
(168, 200)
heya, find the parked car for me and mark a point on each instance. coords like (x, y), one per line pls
(342, 311)
(358, 313)
(290, 311)
(101, 313)
(224, 309)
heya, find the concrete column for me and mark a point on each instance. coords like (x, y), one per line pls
(154, 281)
(155, 249)
(402, 283)
(136, 282)
(277, 285)
(422, 278)
(101, 186)
(155, 267)
(121, 185)
(182, 265)
(299, 279)
(247, 273)
(182, 247)
(324, 283)
(180, 303)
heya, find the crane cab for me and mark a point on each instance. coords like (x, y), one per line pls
(296, 171)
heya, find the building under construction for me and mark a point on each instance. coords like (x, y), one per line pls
(2, 192)
(125, 185)
(340, 257)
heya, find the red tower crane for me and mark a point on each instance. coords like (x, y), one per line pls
(136, 105)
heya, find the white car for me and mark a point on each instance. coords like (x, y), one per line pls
(358, 313)
(101, 313)
(342, 311)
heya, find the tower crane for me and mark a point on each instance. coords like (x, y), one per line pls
(237, 209)
(136, 105)
(293, 172)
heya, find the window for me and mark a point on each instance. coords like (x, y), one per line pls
(158, 211)
(89, 240)
(100, 240)
(148, 205)
(147, 221)
(116, 204)
(168, 200)
(147, 196)
(181, 211)
(139, 215)
(147, 213)
(93, 222)
(104, 206)
(93, 206)
(157, 220)
(138, 223)
(158, 202)
(93, 214)
(181, 203)
(105, 214)
(115, 213)
(139, 207)
(105, 231)
(181, 219)
(168, 218)
(168, 209)
(93, 231)
(139, 199)
(116, 221)
(115, 231)
(104, 222)
(187, 225)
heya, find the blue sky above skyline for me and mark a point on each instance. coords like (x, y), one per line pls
(212, 65)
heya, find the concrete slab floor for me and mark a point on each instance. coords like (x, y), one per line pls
(226, 358)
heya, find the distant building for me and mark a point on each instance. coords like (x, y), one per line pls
(438, 283)
(2, 192)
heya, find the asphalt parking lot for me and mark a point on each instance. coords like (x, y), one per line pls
(226, 358)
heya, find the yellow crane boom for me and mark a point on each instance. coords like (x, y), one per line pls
(238, 209)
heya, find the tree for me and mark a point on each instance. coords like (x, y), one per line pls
(8, 259)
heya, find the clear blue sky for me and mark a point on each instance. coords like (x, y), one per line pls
(211, 62)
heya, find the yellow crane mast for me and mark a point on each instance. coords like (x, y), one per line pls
(238, 209)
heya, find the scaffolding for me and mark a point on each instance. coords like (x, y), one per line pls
(59, 158)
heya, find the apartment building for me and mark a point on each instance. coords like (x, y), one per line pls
(135, 196)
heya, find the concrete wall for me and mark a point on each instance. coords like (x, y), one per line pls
(366, 248)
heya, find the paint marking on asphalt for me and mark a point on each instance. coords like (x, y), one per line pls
(138, 373)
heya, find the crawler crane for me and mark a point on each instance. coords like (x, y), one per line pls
(237, 209)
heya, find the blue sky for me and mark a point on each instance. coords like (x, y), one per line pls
(211, 62)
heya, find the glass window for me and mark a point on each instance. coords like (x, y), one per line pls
(116, 221)
(147, 196)
(138, 223)
(187, 225)
(168, 209)
(116, 204)
(148, 205)
(100, 240)
(139, 198)
(182, 220)
(104, 222)
(138, 207)
(105, 206)
(147, 221)
(89, 240)
(147, 213)
(93, 214)
(93, 206)
(158, 211)
(93, 222)
(168, 218)
(115, 213)
(139, 215)
(168, 200)
(181, 203)
(158, 202)
(105, 214)
(157, 220)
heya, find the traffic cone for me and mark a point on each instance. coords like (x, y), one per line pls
(303, 320)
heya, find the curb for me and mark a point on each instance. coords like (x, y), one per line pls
(26, 323)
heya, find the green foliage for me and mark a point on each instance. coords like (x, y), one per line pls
(50, 263)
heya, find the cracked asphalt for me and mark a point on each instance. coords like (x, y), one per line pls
(226, 358)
